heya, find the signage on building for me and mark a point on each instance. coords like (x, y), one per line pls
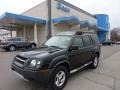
(63, 7)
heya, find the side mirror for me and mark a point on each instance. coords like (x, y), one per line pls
(72, 48)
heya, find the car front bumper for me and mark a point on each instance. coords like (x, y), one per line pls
(42, 76)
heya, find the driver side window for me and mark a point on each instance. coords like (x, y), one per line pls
(78, 42)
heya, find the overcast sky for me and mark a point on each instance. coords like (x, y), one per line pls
(110, 7)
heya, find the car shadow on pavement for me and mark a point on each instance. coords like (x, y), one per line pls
(80, 72)
(33, 85)
(37, 85)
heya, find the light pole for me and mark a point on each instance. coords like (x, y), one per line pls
(49, 24)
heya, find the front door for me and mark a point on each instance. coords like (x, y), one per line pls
(76, 56)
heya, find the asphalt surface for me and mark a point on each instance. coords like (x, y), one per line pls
(105, 77)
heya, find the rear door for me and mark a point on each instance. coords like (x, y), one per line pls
(88, 48)
(24, 42)
(76, 56)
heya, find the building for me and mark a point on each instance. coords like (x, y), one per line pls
(32, 24)
(4, 34)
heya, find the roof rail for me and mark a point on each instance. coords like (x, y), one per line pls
(81, 33)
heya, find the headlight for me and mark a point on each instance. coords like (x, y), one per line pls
(35, 63)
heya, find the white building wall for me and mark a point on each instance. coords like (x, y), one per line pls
(41, 11)
(4, 34)
(60, 13)
(56, 13)
(42, 34)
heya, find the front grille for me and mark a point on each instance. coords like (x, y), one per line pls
(20, 61)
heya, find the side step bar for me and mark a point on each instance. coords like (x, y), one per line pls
(79, 68)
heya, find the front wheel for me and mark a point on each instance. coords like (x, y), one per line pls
(59, 78)
(95, 62)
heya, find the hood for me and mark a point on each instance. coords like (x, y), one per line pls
(40, 52)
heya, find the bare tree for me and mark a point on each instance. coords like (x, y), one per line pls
(115, 34)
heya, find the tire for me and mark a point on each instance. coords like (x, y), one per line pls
(33, 45)
(59, 78)
(12, 48)
(95, 62)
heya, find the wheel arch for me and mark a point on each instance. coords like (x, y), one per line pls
(33, 43)
(97, 53)
(65, 64)
(61, 60)
(12, 45)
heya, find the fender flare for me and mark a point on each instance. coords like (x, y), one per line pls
(12, 44)
(58, 61)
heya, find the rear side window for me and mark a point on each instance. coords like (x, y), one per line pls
(23, 39)
(78, 42)
(14, 39)
(87, 41)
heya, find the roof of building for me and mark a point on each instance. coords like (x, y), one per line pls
(10, 20)
(21, 17)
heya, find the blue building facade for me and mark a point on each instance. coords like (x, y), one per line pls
(103, 26)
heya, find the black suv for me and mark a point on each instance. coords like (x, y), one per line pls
(60, 56)
(12, 44)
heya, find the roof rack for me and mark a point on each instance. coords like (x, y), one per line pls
(81, 33)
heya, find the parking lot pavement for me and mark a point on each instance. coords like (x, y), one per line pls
(109, 50)
(105, 77)
(117, 85)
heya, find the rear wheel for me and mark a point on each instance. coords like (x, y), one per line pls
(95, 62)
(12, 48)
(59, 78)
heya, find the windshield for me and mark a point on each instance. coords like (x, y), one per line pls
(59, 41)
